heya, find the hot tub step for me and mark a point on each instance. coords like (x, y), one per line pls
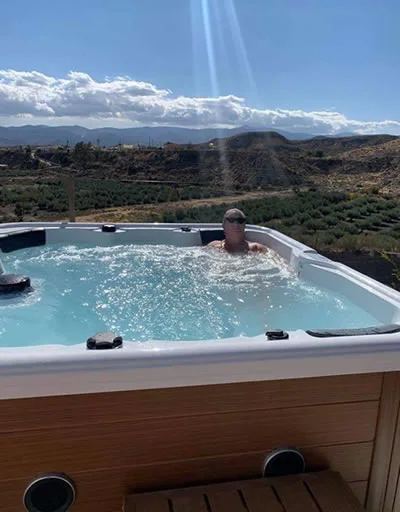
(324, 491)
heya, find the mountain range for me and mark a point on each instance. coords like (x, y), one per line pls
(40, 135)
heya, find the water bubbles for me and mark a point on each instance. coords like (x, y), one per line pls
(145, 292)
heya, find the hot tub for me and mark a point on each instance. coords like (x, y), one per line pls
(155, 413)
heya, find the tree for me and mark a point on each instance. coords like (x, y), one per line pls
(82, 154)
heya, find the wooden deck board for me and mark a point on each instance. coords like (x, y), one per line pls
(294, 496)
(324, 491)
(194, 502)
(221, 501)
(331, 494)
(261, 499)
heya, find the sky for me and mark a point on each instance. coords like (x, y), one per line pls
(312, 66)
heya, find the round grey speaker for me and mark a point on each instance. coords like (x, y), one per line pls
(284, 461)
(52, 492)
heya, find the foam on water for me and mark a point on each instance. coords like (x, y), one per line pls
(144, 292)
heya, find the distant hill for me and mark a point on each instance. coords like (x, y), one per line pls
(40, 135)
(253, 141)
(336, 145)
(268, 141)
(242, 160)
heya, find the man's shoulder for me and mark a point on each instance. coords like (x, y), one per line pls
(256, 247)
(215, 243)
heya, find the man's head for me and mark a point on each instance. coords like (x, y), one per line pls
(234, 216)
(234, 223)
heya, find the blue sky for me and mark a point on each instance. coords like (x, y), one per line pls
(297, 56)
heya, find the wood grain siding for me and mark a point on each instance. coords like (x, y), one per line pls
(360, 490)
(351, 461)
(72, 410)
(162, 440)
(383, 493)
(111, 444)
(385, 437)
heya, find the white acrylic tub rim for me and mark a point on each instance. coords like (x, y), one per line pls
(54, 369)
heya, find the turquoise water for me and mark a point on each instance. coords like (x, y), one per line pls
(162, 293)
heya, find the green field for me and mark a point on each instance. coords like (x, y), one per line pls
(43, 196)
(324, 220)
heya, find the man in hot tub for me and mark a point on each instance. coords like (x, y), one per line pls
(234, 223)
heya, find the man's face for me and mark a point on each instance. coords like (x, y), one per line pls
(234, 225)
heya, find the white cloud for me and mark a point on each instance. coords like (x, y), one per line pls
(117, 101)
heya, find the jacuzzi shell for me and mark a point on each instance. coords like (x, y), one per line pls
(57, 370)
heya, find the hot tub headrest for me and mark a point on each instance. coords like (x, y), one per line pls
(22, 239)
(209, 235)
(381, 329)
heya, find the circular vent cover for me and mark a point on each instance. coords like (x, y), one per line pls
(284, 461)
(50, 493)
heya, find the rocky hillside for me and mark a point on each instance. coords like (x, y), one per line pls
(371, 165)
(328, 146)
(244, 161)
(342, 162)
(336, 146)
(349, 163)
